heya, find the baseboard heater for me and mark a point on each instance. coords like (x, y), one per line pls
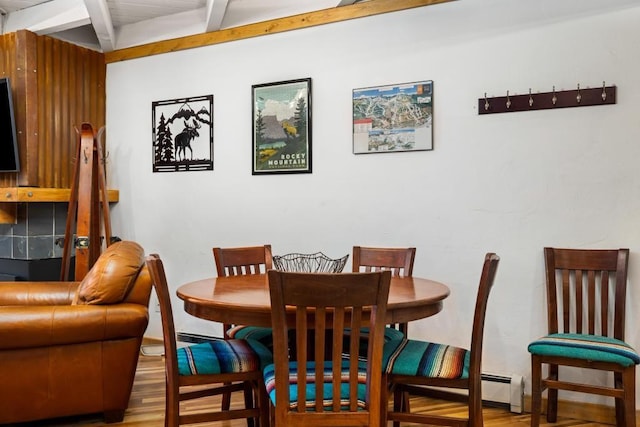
(504, 390)
(497, 391)
(194, 338)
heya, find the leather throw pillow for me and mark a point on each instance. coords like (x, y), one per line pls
(112, 276)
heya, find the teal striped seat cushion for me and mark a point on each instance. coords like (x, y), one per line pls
(256, 333)
(586, 347)
(425, 359)
(326, 377)
(390, 334)
(222, 357)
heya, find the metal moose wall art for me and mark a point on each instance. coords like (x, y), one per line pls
(183, 134)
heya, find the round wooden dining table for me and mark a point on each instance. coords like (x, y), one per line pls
(244, 300)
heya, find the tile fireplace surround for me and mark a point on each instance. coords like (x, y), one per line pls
(29, 247)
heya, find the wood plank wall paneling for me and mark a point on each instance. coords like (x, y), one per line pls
(26, 92)
(7, 69)
(71, 91)
(57, 86)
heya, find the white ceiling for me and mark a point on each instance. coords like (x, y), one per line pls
(107, 25)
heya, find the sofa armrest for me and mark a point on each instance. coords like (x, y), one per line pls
(42, 326)
(37, 293)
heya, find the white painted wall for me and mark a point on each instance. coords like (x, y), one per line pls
(510, 183)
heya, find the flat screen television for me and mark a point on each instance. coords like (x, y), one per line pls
(9, 160)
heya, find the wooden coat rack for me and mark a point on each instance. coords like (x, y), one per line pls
(87, 200)
(603, 95)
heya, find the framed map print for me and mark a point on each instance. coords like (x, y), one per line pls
(393, 118)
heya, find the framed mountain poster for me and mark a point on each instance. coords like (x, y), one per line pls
(281, 127)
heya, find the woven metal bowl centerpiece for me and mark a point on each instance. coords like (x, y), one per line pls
(309, 263)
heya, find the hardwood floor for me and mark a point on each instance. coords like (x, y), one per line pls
(146, 408)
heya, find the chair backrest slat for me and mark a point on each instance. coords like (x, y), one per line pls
(592, 285)
(604, 301)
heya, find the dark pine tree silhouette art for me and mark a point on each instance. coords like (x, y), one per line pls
(260, 128)
(300, 119)
(164, 142)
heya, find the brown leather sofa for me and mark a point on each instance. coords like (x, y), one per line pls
(71, 348)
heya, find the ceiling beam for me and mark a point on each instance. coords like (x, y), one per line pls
(274, 26)
(154, 30)
(101, 20)
(215, 14)
(49, 17)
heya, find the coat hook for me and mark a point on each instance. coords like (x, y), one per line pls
(579, 97)
(486, 102)
(508, 100)
(530, 99)
(555, 98)
(604, 92)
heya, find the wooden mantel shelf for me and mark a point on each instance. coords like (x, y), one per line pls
(9, 196)
(37, 194)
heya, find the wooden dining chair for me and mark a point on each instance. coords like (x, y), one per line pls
(334, 390)
(238, 262)
(586, 296)
(207, 369)
(243, 260)
(397, 260)
(410, 365)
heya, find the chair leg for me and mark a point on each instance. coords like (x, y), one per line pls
(626, 409)
(475, 404)
(536, 391)
(406, 402)
(400, 403)
(384, 400)
(172, 407)
(272, 414)
(620, 403)
(248, 400)
(226, 399)
(552, 396)
(226, 396)
(263, 403)
(404, 328)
